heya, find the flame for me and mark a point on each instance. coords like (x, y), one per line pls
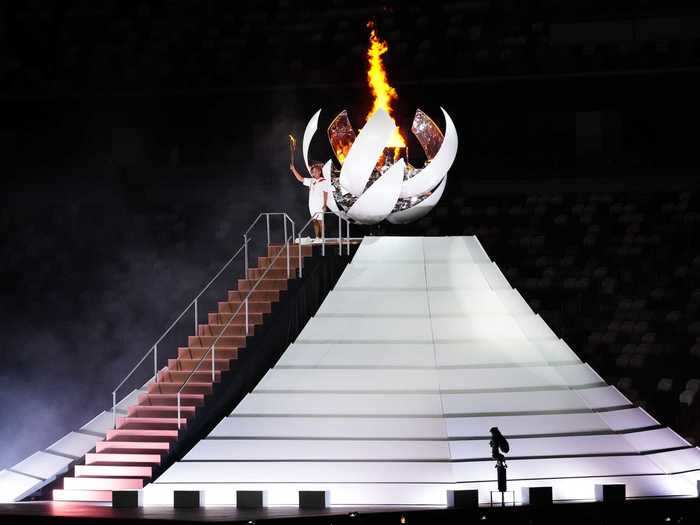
(382, 91)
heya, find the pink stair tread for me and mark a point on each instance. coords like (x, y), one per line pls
(102, 483)
(112, 471)
(82, 495)
(92, 458)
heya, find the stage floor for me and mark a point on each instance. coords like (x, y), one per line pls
(660, 511)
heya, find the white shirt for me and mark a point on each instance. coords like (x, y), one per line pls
(317, 187)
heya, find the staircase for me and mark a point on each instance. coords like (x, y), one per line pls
(132, 453)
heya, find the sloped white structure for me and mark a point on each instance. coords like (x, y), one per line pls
(44, 466)
(388, 394)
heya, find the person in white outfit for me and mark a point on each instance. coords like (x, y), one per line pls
(319, 188)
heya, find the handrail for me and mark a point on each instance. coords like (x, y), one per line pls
(244, 302)
(212, 347)
(153, 349)
(323, 235)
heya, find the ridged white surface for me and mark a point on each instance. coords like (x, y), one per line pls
(389, 391)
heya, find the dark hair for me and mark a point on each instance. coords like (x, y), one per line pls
(315, 164)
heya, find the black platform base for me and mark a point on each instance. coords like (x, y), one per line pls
(632, 512)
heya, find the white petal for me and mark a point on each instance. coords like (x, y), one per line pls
(380, 198)
(309, 132)
(419, 210)
(436, 170)
(365, 152)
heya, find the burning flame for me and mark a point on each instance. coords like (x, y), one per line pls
(383, 92)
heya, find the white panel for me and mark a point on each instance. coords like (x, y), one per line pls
(513, 301)
(534, 327)
(320, 379)
(491, 327)
(385, 249)
(383, 275)
(512, 402)
(100, 424)
(43, 465)
(678, 460)
(657, 439)
(15, 486)
(580, 374)
(371, 329)
(365, 151)
(517, 377)
(379, 355)
(437, 168)
(525, 424)
(477, 250)
(317, 450)
(553, 468)
(379, 199)
(456, 275)
(464, 302)
(602, 397)
(340, 404)
(489, 352)
(368, 302)
(628, 418)
(309, 472)
(494, 276)
(545, 446)
(331, 427)
(75, 444)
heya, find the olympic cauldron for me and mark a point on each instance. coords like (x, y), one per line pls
(376, 182)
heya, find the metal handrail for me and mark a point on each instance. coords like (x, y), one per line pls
(212, 347)
(244, 302)
(154, 348)
(323, 235)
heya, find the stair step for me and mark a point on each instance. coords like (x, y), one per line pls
(225, 341)
(113, 471)
(97, 458)
(134, 434)
(82, 495)
(199, 376)
(231, 329)
(230, 307)
(194, 352)
(144, 423)
(306, 249)
(169, 387)
(152, 447)
(245, 285)
(258, 296)
(195, 400)
(160, 411)
(254, 318)
(272, 273)
(102, 483)
(280, 263)
(190, 364)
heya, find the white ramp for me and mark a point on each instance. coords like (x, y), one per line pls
(388, 394)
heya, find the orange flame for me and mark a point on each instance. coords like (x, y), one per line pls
(382, 91)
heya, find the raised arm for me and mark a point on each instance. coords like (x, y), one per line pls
(296, 174)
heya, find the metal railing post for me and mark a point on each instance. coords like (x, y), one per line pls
(114, 409)
(213, 357)
(347, 235)
(245, 252)
(178, 410)
(196, 318)
(246, 315)
(286, 244)
(323, 234)
(299, 240)
(267, 220)
(155, 363)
